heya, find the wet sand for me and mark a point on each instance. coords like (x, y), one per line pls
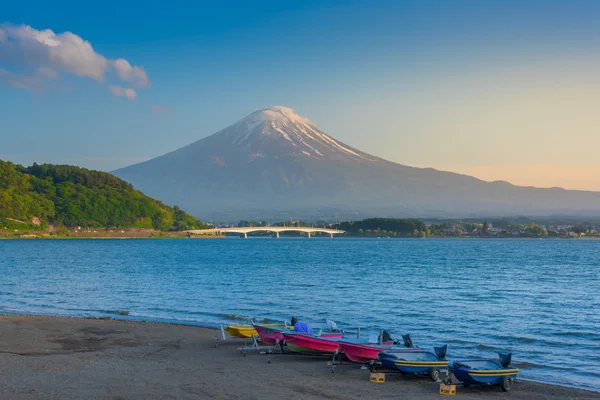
(68, 358)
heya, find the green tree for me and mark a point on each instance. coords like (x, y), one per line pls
(69, 196)
(535, 230)
(485, 230)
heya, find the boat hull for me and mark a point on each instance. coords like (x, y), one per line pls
(305, 350)
(273, 335)
(480, 371)
(247, 331)
(474, 376)
(364, 353)
(268, 335)
(310, 344)
(413, 363)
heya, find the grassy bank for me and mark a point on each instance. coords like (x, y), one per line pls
(100, 234)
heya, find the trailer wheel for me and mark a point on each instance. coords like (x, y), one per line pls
(506, 383)
(434, 374)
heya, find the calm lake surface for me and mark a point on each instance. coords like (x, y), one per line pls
(539, 299)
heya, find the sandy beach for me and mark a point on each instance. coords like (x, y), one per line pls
(69, 358)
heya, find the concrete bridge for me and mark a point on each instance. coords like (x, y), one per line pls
(244, 231)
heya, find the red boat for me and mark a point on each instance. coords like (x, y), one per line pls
(307, 343)
(274, 335)
(365, 352)
(269, 336)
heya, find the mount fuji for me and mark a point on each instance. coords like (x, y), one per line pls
(275, 164)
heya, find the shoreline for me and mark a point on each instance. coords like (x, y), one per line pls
(67, 237)
(107, 237)
(104, 356)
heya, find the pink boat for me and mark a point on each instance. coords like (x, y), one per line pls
(306, 343)
(269, 336)
(272, 336)
(365, 352)
(303, 343)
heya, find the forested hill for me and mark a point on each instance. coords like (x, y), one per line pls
(68, 196)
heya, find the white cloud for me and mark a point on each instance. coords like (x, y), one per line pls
(126, 72)
(44, 54)
(160, 109)
(121, 91)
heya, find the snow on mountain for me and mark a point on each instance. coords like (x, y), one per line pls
(302, 136)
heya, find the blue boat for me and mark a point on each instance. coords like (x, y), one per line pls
(417, 362)
(481, 371)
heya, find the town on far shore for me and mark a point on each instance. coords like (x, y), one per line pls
(489, 228)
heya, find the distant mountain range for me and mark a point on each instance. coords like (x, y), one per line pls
(277, 165)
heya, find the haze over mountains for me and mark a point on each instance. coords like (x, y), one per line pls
(275, 164)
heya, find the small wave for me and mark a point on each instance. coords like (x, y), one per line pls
(233, 317)
(525, 339)
(268, 320)
(117, 312)
(460, 341)
(411, 314)
(591, 335)
(527, 365)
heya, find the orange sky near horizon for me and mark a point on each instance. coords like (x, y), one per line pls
(572, 177)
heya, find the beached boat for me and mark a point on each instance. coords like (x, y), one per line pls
(247, 331)
(270, 335)
(274, 335)
(306, 343)
(357, 351)
(481, 371)
(417, 362)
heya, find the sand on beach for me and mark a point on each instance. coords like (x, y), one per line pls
(69, 358)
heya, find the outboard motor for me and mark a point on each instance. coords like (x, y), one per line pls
(505, 359)
(407, 341)
(440, 352)
(332, 325)
(385, 336)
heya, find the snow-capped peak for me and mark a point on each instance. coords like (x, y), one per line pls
(278, 113)
(280, 127)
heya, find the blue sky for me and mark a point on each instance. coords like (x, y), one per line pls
(497, 89)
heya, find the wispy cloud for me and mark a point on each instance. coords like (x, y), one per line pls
(160, 109)
(30, 83)
(47, 73)
(125, 92)
(34, 56)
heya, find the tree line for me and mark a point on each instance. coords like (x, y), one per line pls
(378, 227)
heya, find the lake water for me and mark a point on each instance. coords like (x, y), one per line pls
(539, 299)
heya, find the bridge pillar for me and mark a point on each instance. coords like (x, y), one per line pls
(277, 234)
(308, 235)
(244, 235)
(331, 235)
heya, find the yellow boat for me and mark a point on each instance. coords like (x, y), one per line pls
(246, 331)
